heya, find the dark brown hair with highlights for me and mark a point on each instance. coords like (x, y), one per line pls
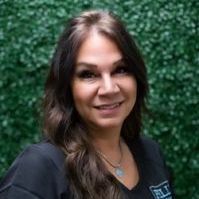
(88, 177)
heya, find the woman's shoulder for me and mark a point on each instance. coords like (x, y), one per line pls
(39, 165)
(149, 143)
(147, 148)
(47, 152)
(144, 141)
(35, 155)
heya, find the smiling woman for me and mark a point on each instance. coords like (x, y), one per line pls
(94, 97)
(104, 91)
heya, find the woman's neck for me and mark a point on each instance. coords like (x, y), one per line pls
(107, 141)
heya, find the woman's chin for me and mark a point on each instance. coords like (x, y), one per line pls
(108, 123)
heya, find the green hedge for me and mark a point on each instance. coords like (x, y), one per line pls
(166, 32)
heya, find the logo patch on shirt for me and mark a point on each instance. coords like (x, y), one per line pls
(161, 191)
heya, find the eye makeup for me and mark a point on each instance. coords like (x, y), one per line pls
(86, 74)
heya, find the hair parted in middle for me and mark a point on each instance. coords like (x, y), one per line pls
(63, 126)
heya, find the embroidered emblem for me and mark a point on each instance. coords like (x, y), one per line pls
(161, 191)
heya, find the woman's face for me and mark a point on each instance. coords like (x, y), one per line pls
(104, 91)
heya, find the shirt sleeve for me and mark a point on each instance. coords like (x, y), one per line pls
(168, 171)
(31, 176)
(154, 152)
(13, 192)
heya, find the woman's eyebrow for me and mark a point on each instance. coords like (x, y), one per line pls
(86, 64)
(119, 61)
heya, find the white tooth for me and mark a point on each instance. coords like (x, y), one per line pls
(109, 106)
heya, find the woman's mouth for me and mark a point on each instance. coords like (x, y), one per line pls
(109, 110)
(108, 106)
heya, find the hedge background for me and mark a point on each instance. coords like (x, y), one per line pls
(167, 34)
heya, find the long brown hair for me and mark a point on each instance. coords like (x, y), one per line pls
(87, 174)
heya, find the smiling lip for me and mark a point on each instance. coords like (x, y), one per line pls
(108, 106)
(109, 110)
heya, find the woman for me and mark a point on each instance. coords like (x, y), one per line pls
(94, 97)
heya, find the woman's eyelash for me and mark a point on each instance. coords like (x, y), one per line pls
(122, 69)
(86, 74)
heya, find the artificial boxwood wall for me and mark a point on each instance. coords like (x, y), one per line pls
(166, 32)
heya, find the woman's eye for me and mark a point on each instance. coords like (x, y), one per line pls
(86, 75)
(122, 70)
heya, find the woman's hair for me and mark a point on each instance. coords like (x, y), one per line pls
(62, 125)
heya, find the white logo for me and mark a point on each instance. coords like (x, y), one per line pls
(161, 191)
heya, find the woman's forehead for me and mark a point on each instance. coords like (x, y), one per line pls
(97, 47)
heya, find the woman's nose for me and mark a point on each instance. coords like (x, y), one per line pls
(108, 85)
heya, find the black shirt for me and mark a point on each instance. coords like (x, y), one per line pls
(155, 181)
(38, 173)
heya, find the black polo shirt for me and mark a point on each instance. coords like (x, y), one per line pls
(39, 173)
